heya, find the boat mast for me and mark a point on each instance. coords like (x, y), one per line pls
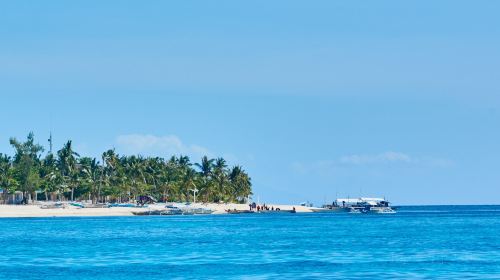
(50, 143)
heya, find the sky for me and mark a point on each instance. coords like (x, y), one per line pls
(315, 99)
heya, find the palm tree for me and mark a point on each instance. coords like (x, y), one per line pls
(220, 176)
(169, 175)
(206, 172)
(135, 168)
(67, 164)
(7, 181)
(240, 183)
(49, 175)
(154, 169)
(205, 166)
(118, 177)
(113, 177)
(92, 174)
(189, 179)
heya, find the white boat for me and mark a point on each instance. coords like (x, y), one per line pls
(365, 205)
(191, 208)
(382, 210)
(354, 210)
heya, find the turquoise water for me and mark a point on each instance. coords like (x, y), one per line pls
(418, 243)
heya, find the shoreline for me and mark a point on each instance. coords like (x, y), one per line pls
(34, 211)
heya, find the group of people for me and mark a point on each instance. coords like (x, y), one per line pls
(254, 207)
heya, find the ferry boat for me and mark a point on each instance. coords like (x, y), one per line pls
(362, 205)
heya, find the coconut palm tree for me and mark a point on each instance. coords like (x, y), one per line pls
(169, 176)
(241, 185)
(135, 170)
(118, 177)
(7, 181)
(92, 175)
(189, 179)
(113, 175)
(67, 164)
(221, 179)
(154, 172)
(206, 174)
(49, 175)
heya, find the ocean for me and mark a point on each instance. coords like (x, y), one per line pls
(424, 242)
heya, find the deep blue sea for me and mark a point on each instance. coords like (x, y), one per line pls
(461, 242)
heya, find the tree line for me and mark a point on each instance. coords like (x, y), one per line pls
(65, 175)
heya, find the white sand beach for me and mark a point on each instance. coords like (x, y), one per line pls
(27, 211)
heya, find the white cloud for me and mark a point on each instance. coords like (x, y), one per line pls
(386, 158)
(165, 146)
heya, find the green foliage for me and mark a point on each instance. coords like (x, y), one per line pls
(7, 181)
(26, 163)
(119, 177)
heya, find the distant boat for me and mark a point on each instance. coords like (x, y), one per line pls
(76, 204)
(170, 210)
(229, 211)
(167, 211)
(122, 205)
(360, 205)
(155, 213)
(329, 208)
(196, 211)
(276, 211)
(57, 205)
(190, 208)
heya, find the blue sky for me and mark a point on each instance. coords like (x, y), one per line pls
(315, 99)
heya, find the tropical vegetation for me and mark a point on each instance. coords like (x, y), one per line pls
(66, 175)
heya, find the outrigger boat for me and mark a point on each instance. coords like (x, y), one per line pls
(362, 205)
(234, 211)
(278, 211)
(167, 211)
(174, 209)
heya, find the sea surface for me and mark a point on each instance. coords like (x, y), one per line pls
(446, 242)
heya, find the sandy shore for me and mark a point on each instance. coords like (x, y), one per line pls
(28, 211)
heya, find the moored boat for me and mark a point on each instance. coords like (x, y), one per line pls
(360, 205)
(174, 209)
(234, 211)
